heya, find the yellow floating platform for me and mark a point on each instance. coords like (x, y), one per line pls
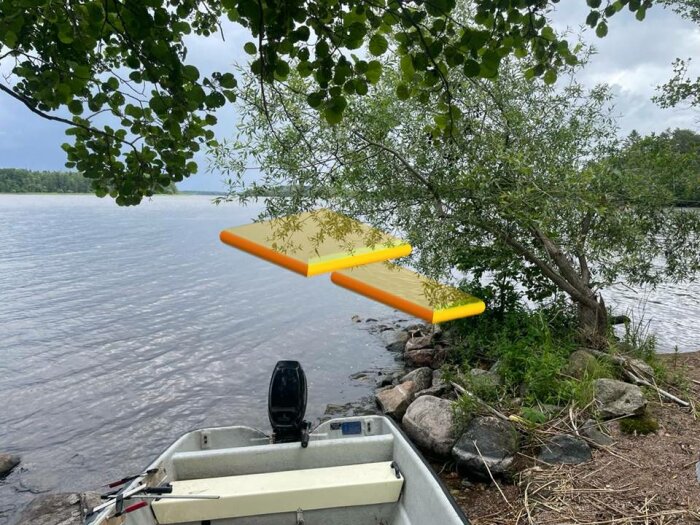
(315, 242)
(409, 292)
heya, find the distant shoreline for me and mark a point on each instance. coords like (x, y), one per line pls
(178, 194)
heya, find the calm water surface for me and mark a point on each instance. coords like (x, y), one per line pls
(121, 329)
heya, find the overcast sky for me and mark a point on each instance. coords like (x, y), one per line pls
(634, 58)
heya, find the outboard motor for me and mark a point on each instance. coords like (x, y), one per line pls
(286, 403)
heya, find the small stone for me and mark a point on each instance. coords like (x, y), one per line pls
(370, 320)
(466, 484)
(422, 377)
(394, 401)
(497, 443)
(356, 319)
(618, 399)
(428, 422)
(697, 470)
(359, 375)
(7, 463)
(591, 429)
(565, 449)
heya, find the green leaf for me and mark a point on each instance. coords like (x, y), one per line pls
(641, 13)
(550, 77)
(227, 81)
(333, 112)
(250, 48)
(593, 3)
(601, 30)
(315, 99)
(10, 39)
(374, 71)
(407, 69)
(75, 107)
(190, 73)
(378, 45)
(402, 91)
(592, 18)
(471, 68)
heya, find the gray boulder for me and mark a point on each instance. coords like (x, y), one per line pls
(618, 399)
(596, 432)
(395, 340)
(642, 366)
(581, 363)
(428, 422)
(565, 449)
(394, 401)
(59, 509)
(7, 463)
(497, 441)
(422, 377)
(416, 343)
(436, 391)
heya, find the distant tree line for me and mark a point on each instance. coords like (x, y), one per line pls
(14, 180)
(673, 157)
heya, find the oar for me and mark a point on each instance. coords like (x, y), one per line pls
(170, 496)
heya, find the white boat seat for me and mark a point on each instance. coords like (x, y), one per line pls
(285, 456)
(274, 492)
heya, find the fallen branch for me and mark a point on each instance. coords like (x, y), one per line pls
(634, 374)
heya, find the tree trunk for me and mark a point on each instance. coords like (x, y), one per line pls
(593, 323)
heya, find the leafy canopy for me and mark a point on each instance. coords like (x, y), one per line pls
(139, 111)
(535, 191)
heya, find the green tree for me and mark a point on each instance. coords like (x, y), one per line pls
(531, 191)
(681, 88)
(128, 59)
(26, 181)
(672, 158)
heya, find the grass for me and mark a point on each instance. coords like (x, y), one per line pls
(531, 349)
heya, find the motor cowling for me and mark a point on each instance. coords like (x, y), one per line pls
(286, 403)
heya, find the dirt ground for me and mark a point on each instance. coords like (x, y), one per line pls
(638, 480)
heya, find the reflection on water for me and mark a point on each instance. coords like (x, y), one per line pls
(120, 329)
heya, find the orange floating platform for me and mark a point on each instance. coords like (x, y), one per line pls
(409, 292)
(315, 242)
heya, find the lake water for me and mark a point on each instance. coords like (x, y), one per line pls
(122, 328)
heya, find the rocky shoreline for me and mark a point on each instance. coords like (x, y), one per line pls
(420, 399)
(420, 394)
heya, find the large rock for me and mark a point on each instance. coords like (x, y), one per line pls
(428, 422)
(59, 509)
(422, 377)
(7, 463)
(497, 441)
(618, 399)
(394, 401)
(416, 343)
(395, 340)
(565, 449)
(436, 391)
(432, 357)
(581, 363)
